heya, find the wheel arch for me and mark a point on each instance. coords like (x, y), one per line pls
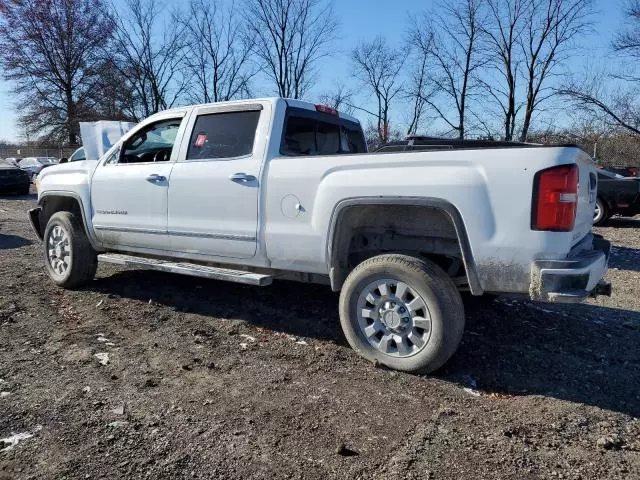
(52, 202)
(608, 203)
(337, 229)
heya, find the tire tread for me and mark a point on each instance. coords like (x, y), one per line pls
(84, 261)
(437, 281)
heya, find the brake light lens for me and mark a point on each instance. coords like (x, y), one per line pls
(327, 109)
(555, 199)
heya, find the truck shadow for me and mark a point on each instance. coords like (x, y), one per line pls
(625, 258)
(295, 308)
(581, 353)
(30, 196)
(623, 222)
(8, 242)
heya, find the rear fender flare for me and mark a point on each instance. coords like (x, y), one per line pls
(448, 208)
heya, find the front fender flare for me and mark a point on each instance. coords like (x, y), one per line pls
(95, 243)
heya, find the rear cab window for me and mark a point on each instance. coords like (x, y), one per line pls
(307, 132)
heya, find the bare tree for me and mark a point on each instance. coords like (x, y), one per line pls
(51, 50)
(503, 30)
(218, 52)
(621, 107)
(456, 57)
(151, 64)
(291, 37)
(420, 88)
(628, 41)
(377, 66)
(111, 98)
(552, 27)
(340, 98)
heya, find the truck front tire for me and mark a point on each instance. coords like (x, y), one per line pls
(402, 312)
(69, 258)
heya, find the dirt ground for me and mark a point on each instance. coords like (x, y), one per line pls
(213, 380)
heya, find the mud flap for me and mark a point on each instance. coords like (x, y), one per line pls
(34, 219)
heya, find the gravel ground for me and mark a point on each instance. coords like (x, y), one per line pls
(150, 375)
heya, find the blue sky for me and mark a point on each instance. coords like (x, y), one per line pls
(363, 20)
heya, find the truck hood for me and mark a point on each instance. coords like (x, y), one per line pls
(83, 166)
(61, 177)
(98, 137)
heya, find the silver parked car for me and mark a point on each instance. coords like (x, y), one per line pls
(34, 165)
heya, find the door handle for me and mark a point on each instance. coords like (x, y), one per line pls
(155, 178)
(242, 178)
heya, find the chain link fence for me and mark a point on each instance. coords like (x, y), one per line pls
(615, 151)
(23, 151)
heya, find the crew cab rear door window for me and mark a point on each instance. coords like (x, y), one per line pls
(223, 135)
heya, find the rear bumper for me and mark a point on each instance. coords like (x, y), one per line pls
(573, 279)
(34, 219)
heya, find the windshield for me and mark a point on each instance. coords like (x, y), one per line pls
(46, 160)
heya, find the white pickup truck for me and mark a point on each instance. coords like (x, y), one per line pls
(256, 190)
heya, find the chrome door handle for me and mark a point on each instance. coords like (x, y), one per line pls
(242, 178)
(155, 178)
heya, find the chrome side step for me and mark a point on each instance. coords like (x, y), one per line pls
(185, 268)
(568, 296)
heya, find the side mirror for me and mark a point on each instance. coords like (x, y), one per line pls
(63, 160)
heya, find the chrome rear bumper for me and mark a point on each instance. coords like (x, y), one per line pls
(575, 278)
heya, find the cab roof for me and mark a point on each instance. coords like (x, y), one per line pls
(292, 102)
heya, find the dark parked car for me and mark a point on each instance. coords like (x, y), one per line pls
(13, 179)
(34, 165)
(617, 195)
(624, 171)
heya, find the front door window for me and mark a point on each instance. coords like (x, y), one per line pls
(151, 144)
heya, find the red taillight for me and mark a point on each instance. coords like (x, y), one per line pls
(326, 109)
(555, 199)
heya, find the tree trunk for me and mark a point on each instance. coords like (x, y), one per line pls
(71, 117)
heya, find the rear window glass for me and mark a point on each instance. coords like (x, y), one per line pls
(352, 140)
(306, 135)
(300, 137)
(223, 135)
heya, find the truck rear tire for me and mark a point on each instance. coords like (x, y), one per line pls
(403, 312)
(69, 258)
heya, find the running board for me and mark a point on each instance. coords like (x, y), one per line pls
(185, 268)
